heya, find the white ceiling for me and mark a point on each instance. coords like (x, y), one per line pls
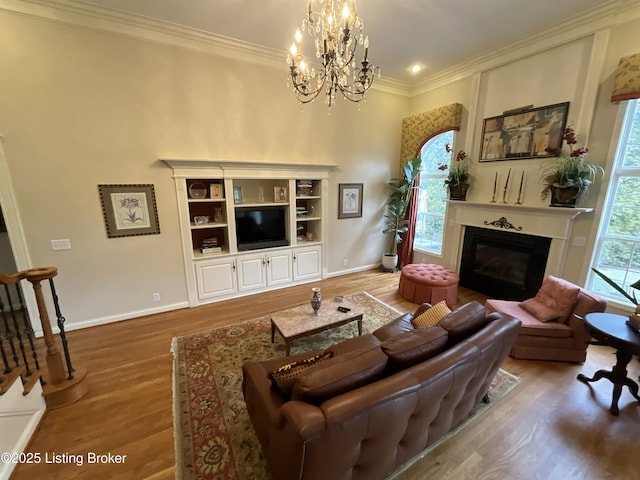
(436, 33)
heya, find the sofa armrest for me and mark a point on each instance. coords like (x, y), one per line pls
(303, 418)
(580, 335)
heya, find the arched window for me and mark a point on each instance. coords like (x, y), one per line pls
(432, 194)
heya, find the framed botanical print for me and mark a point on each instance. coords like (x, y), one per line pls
(129, 210)
(350, 200)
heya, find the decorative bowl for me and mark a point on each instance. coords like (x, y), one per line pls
(197, 190)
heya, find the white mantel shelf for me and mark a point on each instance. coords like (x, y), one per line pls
(555, 223)
(569, 212)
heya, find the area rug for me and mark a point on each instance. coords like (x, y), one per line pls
(214, 438)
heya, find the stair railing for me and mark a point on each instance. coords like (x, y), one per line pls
(60, 387)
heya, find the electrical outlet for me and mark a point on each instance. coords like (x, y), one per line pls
(155, 297)
(345, 262)
(62, 244)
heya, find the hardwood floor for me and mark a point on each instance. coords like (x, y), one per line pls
(550, 427)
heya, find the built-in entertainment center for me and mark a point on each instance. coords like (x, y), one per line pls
(249, 227)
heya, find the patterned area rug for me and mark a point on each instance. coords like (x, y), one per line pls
(214, 437)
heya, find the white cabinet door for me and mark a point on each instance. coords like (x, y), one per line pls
(251, 272)
(216, 278)
(307, 263)
(279, 268)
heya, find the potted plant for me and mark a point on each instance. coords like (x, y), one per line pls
(399, 198)
(567, 179)
(458, 179)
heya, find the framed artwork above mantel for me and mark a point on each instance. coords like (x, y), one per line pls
(524, 133)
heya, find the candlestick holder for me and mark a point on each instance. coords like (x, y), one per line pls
(493, 199)
(504, 196)
(519, 198)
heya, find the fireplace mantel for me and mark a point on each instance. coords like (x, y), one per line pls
(551, 222)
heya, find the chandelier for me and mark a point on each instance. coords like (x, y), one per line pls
(336, 31)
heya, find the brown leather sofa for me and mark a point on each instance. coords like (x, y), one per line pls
(381, 400)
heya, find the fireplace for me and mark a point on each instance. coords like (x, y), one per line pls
(503, 264)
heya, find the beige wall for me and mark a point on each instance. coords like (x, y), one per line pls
(81, 107)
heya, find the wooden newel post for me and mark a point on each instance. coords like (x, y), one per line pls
(61, 389)
(54, 357)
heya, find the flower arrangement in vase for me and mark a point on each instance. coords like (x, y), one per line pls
(568, 178)
(458, 178)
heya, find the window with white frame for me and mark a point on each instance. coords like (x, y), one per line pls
(432, 194)
(617, 252)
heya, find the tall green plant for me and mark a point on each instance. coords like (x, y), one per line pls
(399, 198)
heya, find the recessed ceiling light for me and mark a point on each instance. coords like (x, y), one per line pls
(416, 68)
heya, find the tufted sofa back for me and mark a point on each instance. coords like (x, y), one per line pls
(368, 432)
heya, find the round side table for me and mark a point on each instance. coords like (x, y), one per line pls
(612, 330)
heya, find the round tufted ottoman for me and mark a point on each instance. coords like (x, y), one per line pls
(426, 282)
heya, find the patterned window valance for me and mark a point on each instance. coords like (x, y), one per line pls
(627, 80)
(417, 129)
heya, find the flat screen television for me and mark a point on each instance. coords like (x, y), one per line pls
(261, 227)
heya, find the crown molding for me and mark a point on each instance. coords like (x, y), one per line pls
(165, 33)
(581, 26)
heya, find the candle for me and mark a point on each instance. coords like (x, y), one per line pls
(521, 180)
(495, 184)
(506, 184)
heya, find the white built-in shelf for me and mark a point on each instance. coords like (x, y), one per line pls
(206, 200)
(260, 204)
(197, 226)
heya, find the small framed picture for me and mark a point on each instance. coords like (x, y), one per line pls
(350, 200)
(201, 219)
(237, 194)
(216, 191)
(280, 194)
(129, 210)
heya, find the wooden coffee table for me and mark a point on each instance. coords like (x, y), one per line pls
(300, 321)
(612, 330)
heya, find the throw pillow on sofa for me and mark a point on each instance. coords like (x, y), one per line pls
(340, 374)
(285, 376)
(413, 347)
(432, 315)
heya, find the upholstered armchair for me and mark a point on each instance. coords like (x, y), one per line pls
(552, 322)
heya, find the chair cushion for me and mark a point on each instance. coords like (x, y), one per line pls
(432, 315)
(285, 376)
(533, 327)
(559, 296)
(413, 347)
(530, 324)
(539, 310)
(340, 374)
